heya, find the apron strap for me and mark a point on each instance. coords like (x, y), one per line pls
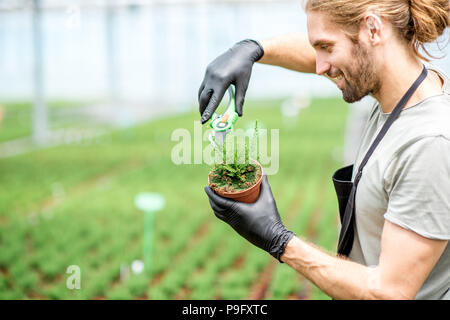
(347, 233)
(392, 117)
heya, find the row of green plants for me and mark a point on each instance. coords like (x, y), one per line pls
(282, 285)
(227, 280)
(94, 224)
(16, 117)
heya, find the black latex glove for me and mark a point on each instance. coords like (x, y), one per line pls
(232, 67)
(258, 222)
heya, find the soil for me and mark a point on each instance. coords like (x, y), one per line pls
(222, 183)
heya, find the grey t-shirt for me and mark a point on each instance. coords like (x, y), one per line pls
(407, 182)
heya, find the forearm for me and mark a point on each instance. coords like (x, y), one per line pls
(337, 277)
(291, 51)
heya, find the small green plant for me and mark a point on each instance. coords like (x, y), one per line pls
(239, 172)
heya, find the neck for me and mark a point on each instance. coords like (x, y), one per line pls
(397, 75)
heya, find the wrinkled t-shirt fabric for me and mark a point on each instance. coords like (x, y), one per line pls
(407, 182)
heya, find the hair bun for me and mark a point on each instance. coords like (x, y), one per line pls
(429, 18)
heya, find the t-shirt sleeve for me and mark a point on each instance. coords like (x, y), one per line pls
(417, 182)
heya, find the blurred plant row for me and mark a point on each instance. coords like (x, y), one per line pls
(73, 205)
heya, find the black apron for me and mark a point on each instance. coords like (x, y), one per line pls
(342, 178)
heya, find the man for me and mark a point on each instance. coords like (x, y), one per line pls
(402, 217)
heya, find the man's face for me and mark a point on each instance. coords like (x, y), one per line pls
(338, 57)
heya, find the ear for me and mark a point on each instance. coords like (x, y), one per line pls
(373, 28)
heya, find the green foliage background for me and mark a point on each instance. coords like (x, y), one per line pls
(73, 205)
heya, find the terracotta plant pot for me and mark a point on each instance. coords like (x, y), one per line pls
(249, 195)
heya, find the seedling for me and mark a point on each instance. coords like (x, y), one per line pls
(236, 171)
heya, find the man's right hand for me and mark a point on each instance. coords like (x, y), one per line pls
(232, 67)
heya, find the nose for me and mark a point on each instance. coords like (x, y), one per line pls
(322, 67)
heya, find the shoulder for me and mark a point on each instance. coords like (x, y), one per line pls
(417, 183)
(431, 144)
(442, 74)
(431, 117)
(424, 156)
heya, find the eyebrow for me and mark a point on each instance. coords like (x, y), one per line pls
(320, 42)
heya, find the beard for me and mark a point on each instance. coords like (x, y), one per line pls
(361, 78)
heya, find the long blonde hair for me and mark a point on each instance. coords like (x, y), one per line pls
(417, 22)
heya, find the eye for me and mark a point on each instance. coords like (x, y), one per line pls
(325, 47)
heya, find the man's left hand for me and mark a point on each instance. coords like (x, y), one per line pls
(258, 222)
